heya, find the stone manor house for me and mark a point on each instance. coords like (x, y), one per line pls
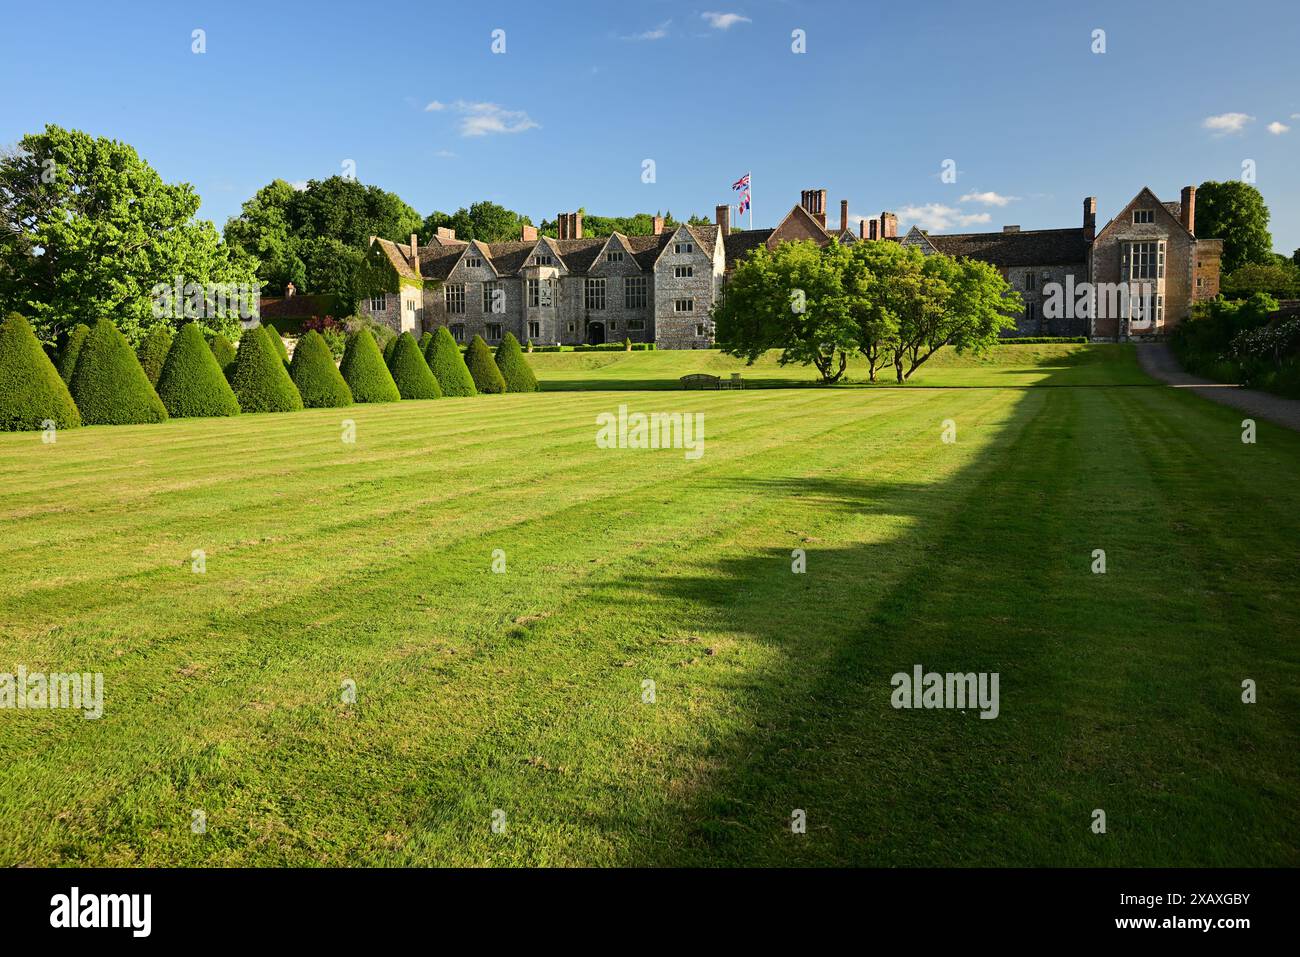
(578, 289)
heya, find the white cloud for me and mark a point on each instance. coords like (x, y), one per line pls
(937, 217)
(658, 33)
(724, 21)
(988, 199)
(1277, 129)
(1226, 123)
(482, 119)
(1295, 116)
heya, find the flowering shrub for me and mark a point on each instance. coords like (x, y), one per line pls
(332, 330)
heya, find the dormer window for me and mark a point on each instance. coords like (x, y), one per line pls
(683, 248)
(473, 262)
(543, 260)
(1143, 217)
(614, 256)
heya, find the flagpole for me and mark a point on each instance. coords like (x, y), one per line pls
(750, 174)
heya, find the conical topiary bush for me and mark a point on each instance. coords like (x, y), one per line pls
(108, 384)
(192, 383)
(224, 352)
(317, 377)
(152, 352)
(277, 340)
(31, 391)
(364, 371)
(481, 365)
(260, 380)
(514, 367)
(448, 365)
(70, 349)
(410, 371)
(424, 344)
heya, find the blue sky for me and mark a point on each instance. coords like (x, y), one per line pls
(586, 92)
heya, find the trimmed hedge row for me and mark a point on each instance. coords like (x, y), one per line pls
(514, 370)
(260, 379)
(31, 390)
(410, 372)
(191, 383)
(448, 365)
(313, 371)
(152, 352)
(481, 365)
(70, 349)
(109, 385)
(364, 370)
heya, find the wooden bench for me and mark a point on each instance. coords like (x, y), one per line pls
(701, 380)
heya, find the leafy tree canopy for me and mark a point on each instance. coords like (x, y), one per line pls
(88, 228)
(485, 221)
(1235, 212)
(316, 237)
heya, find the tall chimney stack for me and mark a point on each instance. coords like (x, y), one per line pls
(659, 225)
(528, 233)
(1090, 218)
(722, 215)
(888, 226)
(862, 229)
(1187, 212)
(821, 207)
(577, 225)
(844, 216)
(874, 229)
(415, 253)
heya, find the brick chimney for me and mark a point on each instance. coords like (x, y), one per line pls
(862, 229)
(415, 252)
(1187, 212)
(821, 207)
(1090, 218)
(528, 233)
(445, 234)
(722, 216)
(888, 226)
(814, 203)
(659, 225)
(874, 229)
(844, 215)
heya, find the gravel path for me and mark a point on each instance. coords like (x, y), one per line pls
(1159, 362)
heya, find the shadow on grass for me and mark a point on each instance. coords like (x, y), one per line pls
(981, 572)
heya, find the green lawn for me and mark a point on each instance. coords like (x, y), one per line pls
(1002, 366)
(522, 691)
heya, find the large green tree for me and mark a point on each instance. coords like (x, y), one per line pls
(317, 237)
(963, 303)
(1235, 212)
(793, 299)
(485, 221)
(88, 229)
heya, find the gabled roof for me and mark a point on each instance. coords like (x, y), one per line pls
(741, 242)
(579, 254)
(399, 256)
(1147, 198)
(917, 236)
(802, 217)
(1031, 247)
(510, 257)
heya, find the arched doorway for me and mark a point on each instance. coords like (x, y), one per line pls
(595, 333)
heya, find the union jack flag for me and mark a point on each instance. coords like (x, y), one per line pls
(742, 183)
